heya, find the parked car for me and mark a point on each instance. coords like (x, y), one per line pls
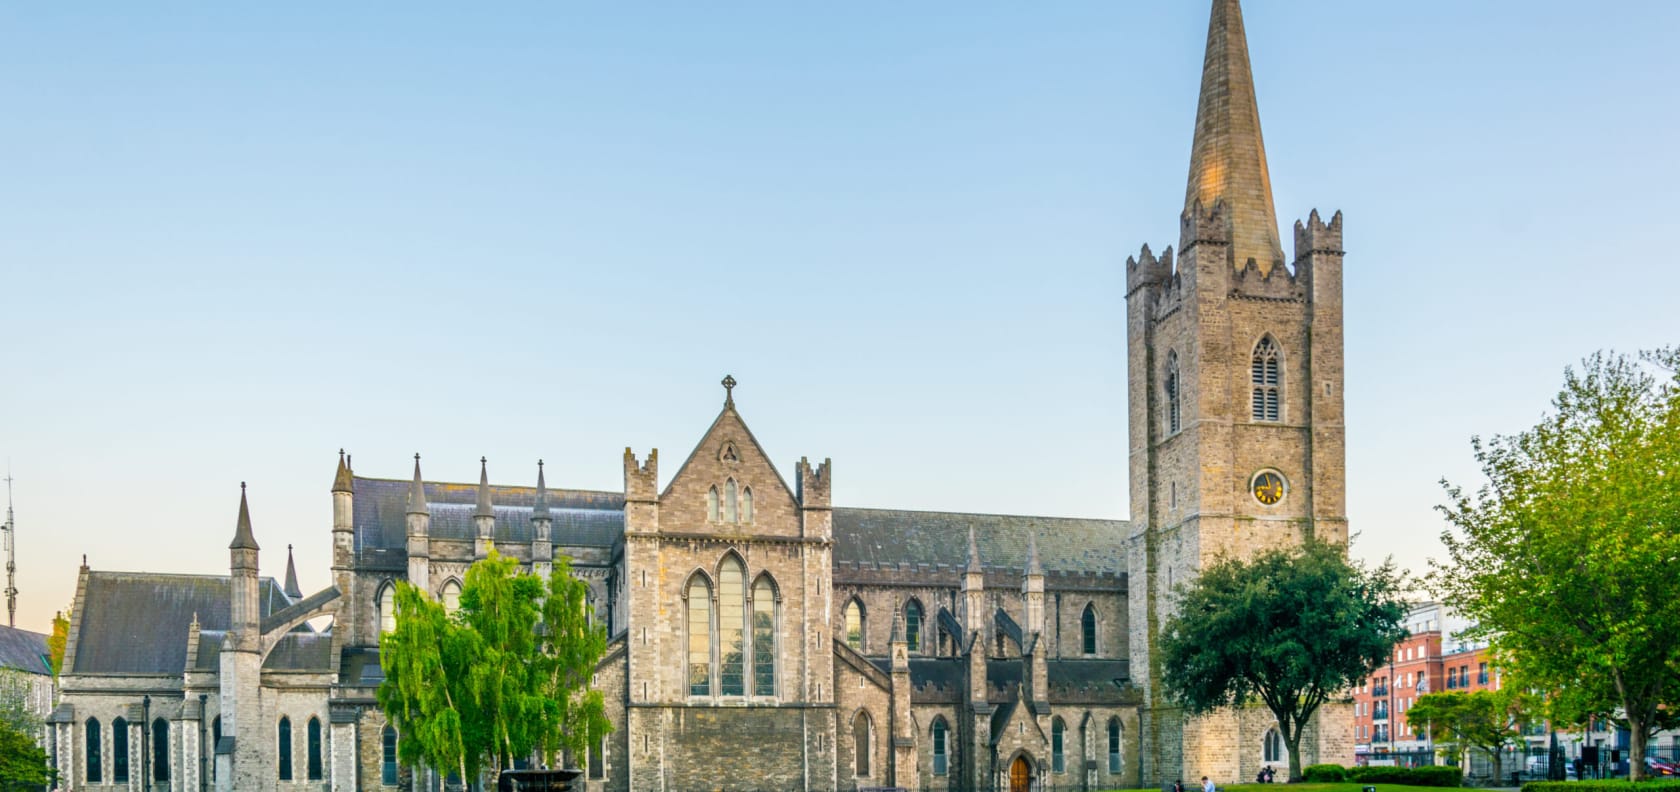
(1659, 767)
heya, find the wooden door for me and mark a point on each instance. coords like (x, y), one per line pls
(1020, 775)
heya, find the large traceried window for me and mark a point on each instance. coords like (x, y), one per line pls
(732, 616)
(854, 625)
(1174, 414)
(699, 637)
(1088, 629)
(941, 752)
(388, 608)
(1113, 745)
(388, 755)
(285, 749)
(95, 768)
(1058, 736)
(913, 625)
(764, 637)
(314, 749)
(1271, 747)
(1266, 377)
(119, 750)
(160, 750)
(862, 743)
(450, 596)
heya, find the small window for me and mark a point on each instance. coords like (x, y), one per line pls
(1058, 731)
(862, 743)
(1088, 629)
(1113, 745)
(729, 502)
(451, 597)
(314, 749)
(215, 737)
(854, 625)
(712, 505)
(388, 609)
(598, 759)
(1266, 378)
(1271, 747)
(119, 751)
(160, 750)
(746, 505)
(913, 625)
(285, 749)
(1173, 411)
(941, 759)
(388, 756)
(95, 768)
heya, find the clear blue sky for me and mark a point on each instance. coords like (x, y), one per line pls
(236, 238)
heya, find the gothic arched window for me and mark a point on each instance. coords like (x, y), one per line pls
(450, 596)
(941, 752)
(746, 504)
(712, 504)
(862, 743)
(119, 750)
(388, 608)
(95, 769)
(1173, 411)
(1088, 629)
(1113, 745)
(314, 749)
(1266, 377)
(388, 755)
(854, 625)
(215, 737)
(913, 625)
(732, 617)
(160, 750)
(764, 637)
(1058, 738)
(730, 502)
(285, 749)
(1271, 747)
(699, 637)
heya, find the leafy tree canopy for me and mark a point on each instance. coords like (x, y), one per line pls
(504, 678)
(1486, 720)
(1292, 628)
(23, 764)
(56, 642)
(1565, 558)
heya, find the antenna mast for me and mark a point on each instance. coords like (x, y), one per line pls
(10, 530)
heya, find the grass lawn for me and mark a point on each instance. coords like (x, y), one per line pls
(1349, 786)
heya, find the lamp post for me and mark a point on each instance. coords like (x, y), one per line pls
(145, 737)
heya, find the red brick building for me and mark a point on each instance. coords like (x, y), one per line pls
(1430, 659)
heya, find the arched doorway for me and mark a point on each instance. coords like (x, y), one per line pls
(1020, 775)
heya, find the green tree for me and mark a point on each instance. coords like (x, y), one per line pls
(490, 684)
(56, 642)
(23, 764)
(1486, 720)
(1565, 557)
(1293, 628)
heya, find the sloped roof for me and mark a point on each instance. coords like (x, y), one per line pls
(24, 651)
(136, 622)
(582, 518)
(298, 651)
(881, 536)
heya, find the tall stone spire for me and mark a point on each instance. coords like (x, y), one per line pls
(539, 509)
(1033, 565)
(417, 492)
(292, 589)
(1228, 157)
(973, 552)
(341, 480)
(484, 509)
(243, 539)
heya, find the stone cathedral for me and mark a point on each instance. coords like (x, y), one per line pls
(765, 637)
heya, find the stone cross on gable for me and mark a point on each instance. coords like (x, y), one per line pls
(728, 390)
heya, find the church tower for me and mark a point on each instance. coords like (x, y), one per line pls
(1234, 363)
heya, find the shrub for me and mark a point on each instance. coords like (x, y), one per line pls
(1324, 773)
(1431, 775)
(1600, 786)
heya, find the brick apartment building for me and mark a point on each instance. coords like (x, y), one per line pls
(1430, 659)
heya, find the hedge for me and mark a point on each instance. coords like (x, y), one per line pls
(1600, 786)
(1324, 773)
(1429, 775)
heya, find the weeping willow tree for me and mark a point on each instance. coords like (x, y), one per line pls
(506, 677)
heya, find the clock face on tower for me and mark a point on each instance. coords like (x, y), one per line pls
(1268, 487)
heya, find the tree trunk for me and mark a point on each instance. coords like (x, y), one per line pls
(1292, 741)
(1636, 753)
(1494, 755)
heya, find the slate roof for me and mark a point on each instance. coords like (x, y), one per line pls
(880, 536)
(136, 622)
(24, 651)
(582, 518)
(299, 651)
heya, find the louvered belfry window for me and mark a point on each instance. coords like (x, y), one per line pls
(1267, 377)
(1173, 412)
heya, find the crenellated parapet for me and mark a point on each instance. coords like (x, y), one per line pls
(641, 479)
(1275, 284)
(1205, 225)
(815, 484)
(1314, 236)
(1145, 269)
